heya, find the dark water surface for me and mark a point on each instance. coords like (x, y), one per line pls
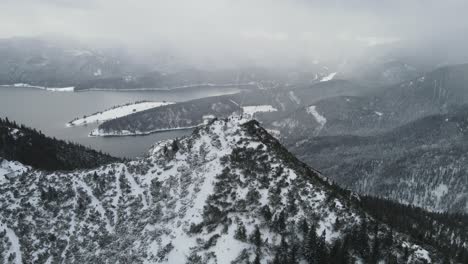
(50, 111)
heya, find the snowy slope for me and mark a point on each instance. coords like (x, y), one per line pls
(116, 112)
(200, 199)
(250, 111)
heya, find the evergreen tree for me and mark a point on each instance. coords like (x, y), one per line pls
(283, 250)
(304, 228)
(322, 252)
(310, 246)
(375, 256)
(279, 224)
(256, 237)
(240, 233)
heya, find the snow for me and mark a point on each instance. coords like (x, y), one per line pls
(440, 191)
(137, 190)
(79, 52)
(327, 225)
(423, 254)
(15, 245)
(63, 89)
(50, 89)
(15, 133)
(318, 117)
(418, 252)
(329, 77)
(10, 168)
(116, 112)
(188, 179)
(95, 203)
(250, 111)
(98, 72)
(294, 98)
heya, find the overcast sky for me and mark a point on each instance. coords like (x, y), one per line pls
(248, 29)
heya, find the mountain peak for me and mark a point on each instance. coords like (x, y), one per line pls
(229, 193)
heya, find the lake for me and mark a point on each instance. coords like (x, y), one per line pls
(50, 111)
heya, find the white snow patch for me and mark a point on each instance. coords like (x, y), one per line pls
(98, 72)
(329, 77)
(10, 169)
(440, 191)
(14, 247)
(250, 111)
(419, 253)
(50, 89)
(294, 98)
(318, 117)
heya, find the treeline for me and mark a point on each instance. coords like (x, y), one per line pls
(446, 232)
(31, 147)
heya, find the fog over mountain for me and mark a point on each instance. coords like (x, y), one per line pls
(225, 33)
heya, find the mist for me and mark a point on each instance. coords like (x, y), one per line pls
(263, 32)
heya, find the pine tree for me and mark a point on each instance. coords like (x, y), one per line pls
(322, 252)
(175, 145)
(266, 213)
(283, 250)
(310, 246)
(304, 227)
(293, 257)
(257, 258)
(375, 250)
(279, 224)
(256, 237)
(240, 233)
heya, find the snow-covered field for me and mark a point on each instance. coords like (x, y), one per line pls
(250, 111)
(51, 89)
(116, 112)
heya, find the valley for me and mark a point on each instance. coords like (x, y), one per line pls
(117, 152)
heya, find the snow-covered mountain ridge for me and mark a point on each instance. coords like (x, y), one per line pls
(229, 193)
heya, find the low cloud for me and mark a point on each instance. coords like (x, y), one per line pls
(240, 31)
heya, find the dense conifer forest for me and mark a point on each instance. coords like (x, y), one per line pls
(31, 147)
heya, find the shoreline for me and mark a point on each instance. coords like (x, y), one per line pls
(136, 134)
(114, 112)
(50, 89)
(167, 89)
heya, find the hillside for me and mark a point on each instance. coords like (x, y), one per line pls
(382, 110)
(182, 115)
(229, 193)
(190, 114)
(33, 148)
(421, 163)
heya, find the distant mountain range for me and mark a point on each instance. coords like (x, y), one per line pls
(380, 110)
(55, 64)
